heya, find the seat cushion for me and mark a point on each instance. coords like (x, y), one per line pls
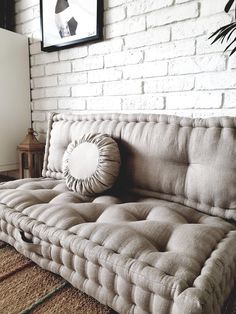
(141, 256)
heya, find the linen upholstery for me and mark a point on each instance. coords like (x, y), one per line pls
(147, 246)
(189, 161)
(144, 256)
(91, 164)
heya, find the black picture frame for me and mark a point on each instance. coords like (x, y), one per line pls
(7, 14)
(68, 23)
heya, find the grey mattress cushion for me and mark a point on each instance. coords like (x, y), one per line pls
(144, 256)
(188, 161)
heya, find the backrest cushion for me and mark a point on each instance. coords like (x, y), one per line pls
(91, 164)
(189, 161)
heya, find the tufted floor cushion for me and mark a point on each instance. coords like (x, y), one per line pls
(137, 255)
(183, 160)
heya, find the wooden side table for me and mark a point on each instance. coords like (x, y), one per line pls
(31, 153)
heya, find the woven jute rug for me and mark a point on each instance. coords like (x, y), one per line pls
(25, 288)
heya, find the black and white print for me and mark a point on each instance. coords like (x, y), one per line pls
(69, 22)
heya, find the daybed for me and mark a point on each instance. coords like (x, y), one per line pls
(161, 240)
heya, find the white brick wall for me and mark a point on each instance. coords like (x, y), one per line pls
(155, 56)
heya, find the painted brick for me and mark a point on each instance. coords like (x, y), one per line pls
(89, 63)
(38, 93)
(208, 9)
(194, 100)
(113, 3)
(35, 48)
(25, 16)
(193, 28)
(59, 67)
(143, 102)
(229, 99)
(201, 113)
(197, 64)
(203, 46)
(37, 71)
(45, 81)
(57, 92)
(72, 103)
(36, 34)
(87, 90)
(104, 75)
(31, 83)
(188, 29)
(40, 128)
(221, 80)
(25, 4)
(181, 1)
(30, 26)
(104, 103)
(147, 69)
(105, 47)
(114, 15)
(170, 50)
(73, 53)
(150, 37)
(38, 116)
(32, 60)
(215, 113)
(169, 84)
(45, 104)
(45, 58)
(232, 63)
(123, 88)
(72, 78)
(173, 14)
(123, 58)
(140, 7)
(128, 26)
(155, 56)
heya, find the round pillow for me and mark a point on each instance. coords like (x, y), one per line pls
(91, 165)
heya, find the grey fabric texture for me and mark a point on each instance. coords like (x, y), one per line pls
(162, 245)
(188, 161)
(144, 256)
(91, 164)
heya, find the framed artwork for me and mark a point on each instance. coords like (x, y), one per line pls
(67, 23)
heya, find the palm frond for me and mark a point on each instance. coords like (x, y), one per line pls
(228, 5)
(230, 33)
(220, 30)
(224, 34)
(233, 51)
(230, 44)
